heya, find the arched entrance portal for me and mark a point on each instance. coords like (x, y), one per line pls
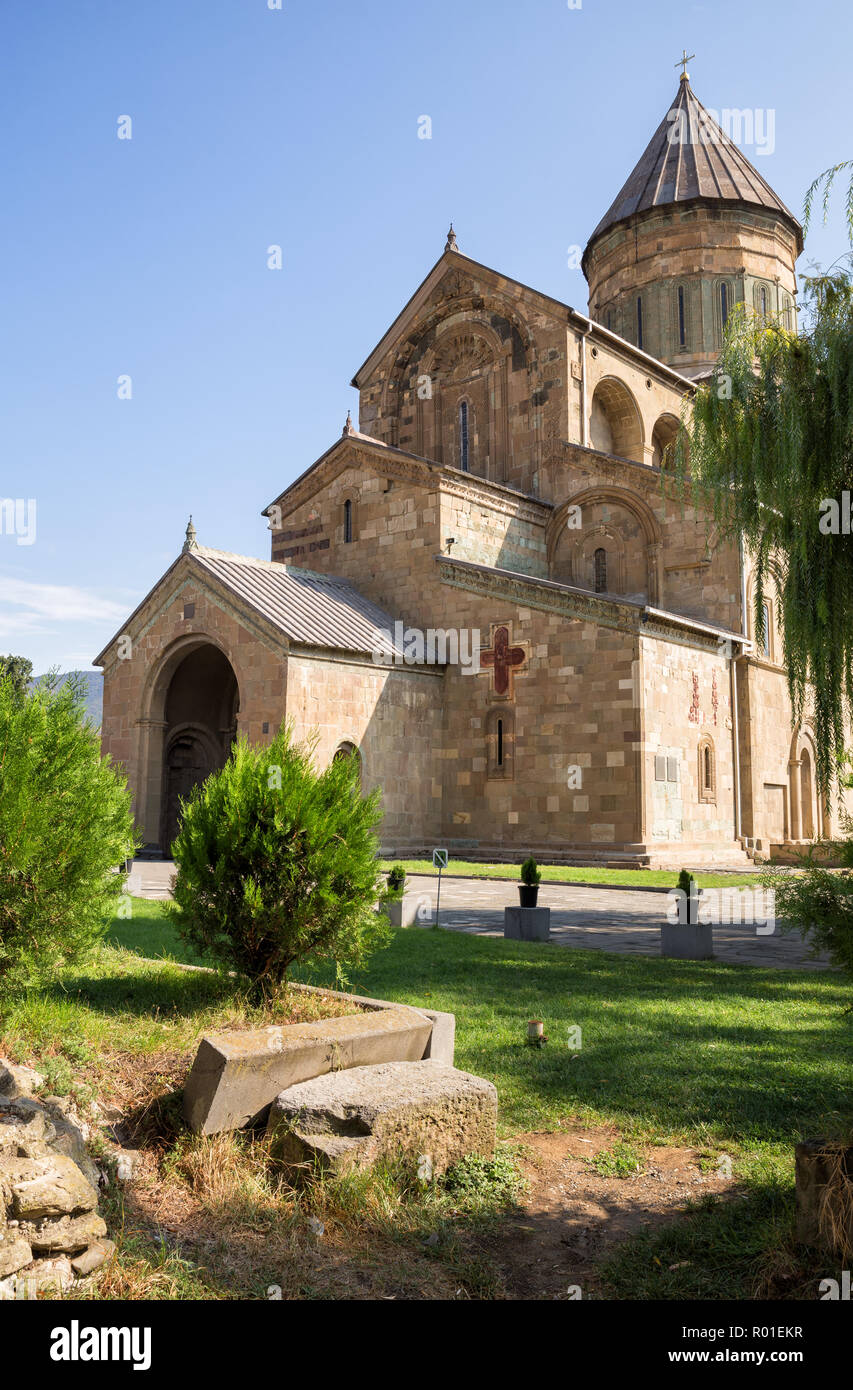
(200, 717)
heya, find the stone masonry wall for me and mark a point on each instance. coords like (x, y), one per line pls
(573, 707)
(394, 717)
(686, 704)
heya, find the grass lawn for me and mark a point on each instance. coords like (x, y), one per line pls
(726, 1058)
(562, 873)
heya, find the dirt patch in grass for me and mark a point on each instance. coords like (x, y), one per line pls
(212, 1218)
(586, 1195)
(217, 1207)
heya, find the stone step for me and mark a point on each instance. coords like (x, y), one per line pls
(428, 1113)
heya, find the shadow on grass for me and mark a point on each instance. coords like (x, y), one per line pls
(739, 1052)
(157, 991)
(744, 1052)
(150, 933)
(738, 1247)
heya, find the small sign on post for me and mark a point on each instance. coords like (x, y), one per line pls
(439, 861)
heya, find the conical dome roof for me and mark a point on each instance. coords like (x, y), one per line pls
(689, 157)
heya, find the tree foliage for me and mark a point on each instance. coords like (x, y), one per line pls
(819, 903)
(65, 827)
(277, 862)
(19, 670)
(769, 446)
(823, 185)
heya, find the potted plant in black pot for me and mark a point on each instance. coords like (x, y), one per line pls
(528, 888)
(392, 899)
(687, 885)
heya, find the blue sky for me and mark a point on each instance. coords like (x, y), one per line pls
(298, 127)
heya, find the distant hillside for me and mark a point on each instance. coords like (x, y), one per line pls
(94, 692)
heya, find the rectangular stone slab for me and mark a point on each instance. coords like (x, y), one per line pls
(237, 1073)
(425, 1112)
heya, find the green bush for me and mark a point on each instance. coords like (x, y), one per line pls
(65, 826)
(819, 903)
(530, 873)
(481, 1180)
(276, 862)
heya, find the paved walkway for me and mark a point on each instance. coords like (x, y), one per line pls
(604, 919)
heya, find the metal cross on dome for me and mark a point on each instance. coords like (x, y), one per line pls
(684, 60)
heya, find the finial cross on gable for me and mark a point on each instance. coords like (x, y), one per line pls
(502, 659)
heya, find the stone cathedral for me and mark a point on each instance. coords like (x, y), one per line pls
(508, 478)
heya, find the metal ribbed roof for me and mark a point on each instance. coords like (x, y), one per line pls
(689, 156)
(314, 610)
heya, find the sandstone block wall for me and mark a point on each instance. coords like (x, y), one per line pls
(394, 717)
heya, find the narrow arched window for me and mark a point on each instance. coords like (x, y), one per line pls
(600, 570)
(463, 436)
(724, 304)
(767, 642)
(639, 322)
(499, 744)
(707, 772)
(348, 521)
(682, 325)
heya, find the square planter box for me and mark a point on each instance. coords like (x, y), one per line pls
(527, 923)
(683, 941)
(401, 913)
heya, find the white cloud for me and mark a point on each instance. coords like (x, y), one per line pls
(29, 607)
(58, 625)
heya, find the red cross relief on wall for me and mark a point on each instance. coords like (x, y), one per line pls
(503, 660)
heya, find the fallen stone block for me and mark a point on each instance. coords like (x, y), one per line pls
(442, 1039)
(49, 1186)
(419, 1110)
(45, 1277)
(70, 1139)
(67, 1235)
(24, 1122)
(93, 1258)
(237, 1074)
(17, 1081)
(14, 1253)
